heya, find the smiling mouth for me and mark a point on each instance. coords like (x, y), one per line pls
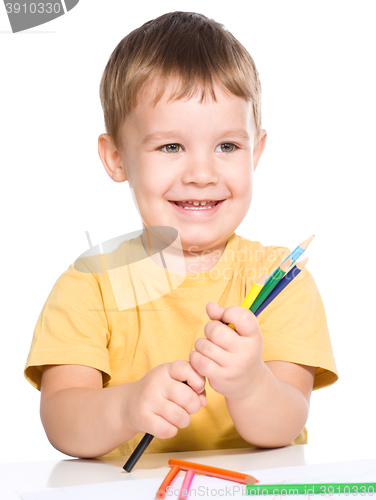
(197, 205)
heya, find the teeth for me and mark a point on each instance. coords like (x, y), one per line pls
(196, 205)
(197, 202)
(196, 208)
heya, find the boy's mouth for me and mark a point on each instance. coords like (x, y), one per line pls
(197, 204)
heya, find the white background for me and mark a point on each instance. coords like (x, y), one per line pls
(316, 62)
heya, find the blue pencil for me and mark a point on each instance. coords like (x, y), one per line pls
(286, 280)
(295, 254)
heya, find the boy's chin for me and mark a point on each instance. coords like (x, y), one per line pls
(196, 245)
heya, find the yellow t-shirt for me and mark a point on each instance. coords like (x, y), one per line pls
(83, 322)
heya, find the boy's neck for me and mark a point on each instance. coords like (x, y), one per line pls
(194, 261)
(202, 261)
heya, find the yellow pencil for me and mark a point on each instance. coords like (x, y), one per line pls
(254, 291)
(252, 294)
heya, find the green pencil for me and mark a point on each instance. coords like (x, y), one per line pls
(312, 489)
(271, 284)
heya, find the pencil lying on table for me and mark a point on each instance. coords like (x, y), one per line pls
(313, 489)
(161, 493)
(207, 470)
(184, 491)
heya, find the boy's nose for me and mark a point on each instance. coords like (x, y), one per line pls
(200, 171)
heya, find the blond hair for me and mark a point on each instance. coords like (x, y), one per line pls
(197, 50)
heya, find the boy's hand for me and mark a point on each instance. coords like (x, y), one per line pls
(231, 360)
(160, 403)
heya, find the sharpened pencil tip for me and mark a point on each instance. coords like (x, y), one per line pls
(262, 279)
(305, 243)
(300, 265)
(285, 265)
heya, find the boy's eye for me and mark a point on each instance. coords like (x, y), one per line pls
(226, 147)
(171, 148)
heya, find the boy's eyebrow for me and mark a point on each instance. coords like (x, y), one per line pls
(162, 135)
(243, 134)
(159, 135)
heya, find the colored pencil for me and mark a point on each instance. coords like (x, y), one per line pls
(184, 492)
(252, 294)
(161, 493)
(256, 300)
(271, 284)
(255, 290)
(313, 489)
(295, 254)
(136, 455)
(286, 280)
(139, 450)
(207, 470)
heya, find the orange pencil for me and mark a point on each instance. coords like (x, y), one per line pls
(161, 493)
(207, 470)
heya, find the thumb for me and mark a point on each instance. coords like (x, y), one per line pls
(214, 311)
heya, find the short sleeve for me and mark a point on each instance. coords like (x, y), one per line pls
(72, 327)
(294, 329)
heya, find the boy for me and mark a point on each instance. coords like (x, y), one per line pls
(181, 100)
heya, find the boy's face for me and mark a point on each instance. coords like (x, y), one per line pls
(186, 151)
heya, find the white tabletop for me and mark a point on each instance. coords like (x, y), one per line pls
(71, 472)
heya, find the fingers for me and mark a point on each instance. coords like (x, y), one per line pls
(221, 336)
(168, 419)
(224, 356)
(202, 398)
(162, 403)
(204, 365)
(244, 321)
(161, 428)
(182, 371)
(216, 352)
(181, 400)
(174, 415)
(214, 311)
(183, 396)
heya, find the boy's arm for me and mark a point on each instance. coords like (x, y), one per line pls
(80, 417)
(268, 402)
(83, 419)
(278, 409)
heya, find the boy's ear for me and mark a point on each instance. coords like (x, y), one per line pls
(111, 158)
(259, 148)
